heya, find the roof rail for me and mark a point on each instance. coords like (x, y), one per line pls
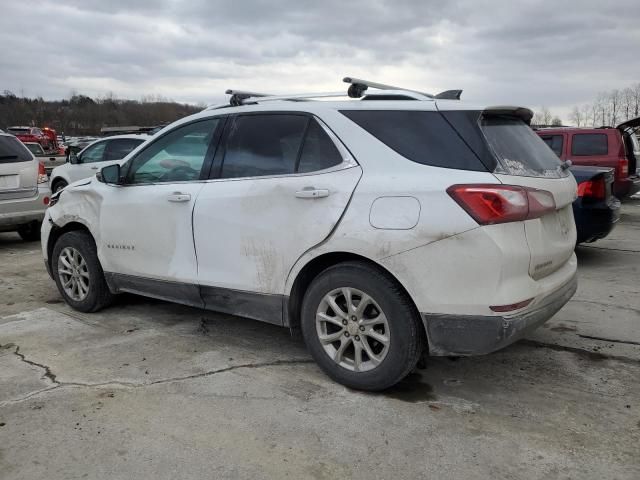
(359, 86)
(357, 89)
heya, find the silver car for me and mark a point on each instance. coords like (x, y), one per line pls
(24, 190)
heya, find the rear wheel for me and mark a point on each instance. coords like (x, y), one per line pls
(58, 185)
(360, 327)
(30, 232)
(78, 273)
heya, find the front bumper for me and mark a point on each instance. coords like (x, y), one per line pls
(461, 335)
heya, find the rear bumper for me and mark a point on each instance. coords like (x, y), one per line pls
(627, 187)
(460, 335)
(595, 221)
(21, 211)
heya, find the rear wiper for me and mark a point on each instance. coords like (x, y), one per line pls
(566, 164)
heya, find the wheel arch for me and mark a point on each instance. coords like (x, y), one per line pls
(57, 232)
(317, 265)
(57, 179)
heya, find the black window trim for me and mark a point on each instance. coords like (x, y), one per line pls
(348, 160)
(208, 159)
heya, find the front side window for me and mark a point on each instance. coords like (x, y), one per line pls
(260, 145)
(94, 153)
(120, 147)
(177, 156)
(585, 144)
(554, 142)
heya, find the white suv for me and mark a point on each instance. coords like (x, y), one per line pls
(383, 227)
(93, 157)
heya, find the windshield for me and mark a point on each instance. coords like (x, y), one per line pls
(518, 149)
(35, 148)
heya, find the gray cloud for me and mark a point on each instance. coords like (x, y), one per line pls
(553, 53)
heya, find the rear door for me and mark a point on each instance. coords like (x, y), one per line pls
(18, 170)
(525, 160)
(279, 186)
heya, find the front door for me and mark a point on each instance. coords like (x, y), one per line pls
(145, 225)
(281, 183)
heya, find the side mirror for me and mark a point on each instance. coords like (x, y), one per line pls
(73, 158)
(110, 175)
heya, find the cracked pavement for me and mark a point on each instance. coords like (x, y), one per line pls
(148, 389)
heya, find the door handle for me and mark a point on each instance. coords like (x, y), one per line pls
(179, 197)
(312, 192)
(93, 168)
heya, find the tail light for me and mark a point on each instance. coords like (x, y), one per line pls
(42, 173)
(491, 204)
(622, 170)
(595, 189)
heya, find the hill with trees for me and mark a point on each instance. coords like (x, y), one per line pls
(83, 115)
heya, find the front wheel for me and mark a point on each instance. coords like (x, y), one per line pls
(360, 327)
(58, 185)
(78, 273)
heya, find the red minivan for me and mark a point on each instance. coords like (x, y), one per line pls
(617, 148)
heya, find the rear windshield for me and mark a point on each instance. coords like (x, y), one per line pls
(13, 150)
(586, 144)
(34, 148)
(19, 131)
(519, 150)
(422, 137)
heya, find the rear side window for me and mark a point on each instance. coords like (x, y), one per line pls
(260, 145)
(318, 152)
(554, 142)
(519, 150)
(585, 144)
(423, 137)
(120, 148)
(13, 150)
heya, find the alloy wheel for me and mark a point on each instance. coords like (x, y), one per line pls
(74, 274)
(352, 329)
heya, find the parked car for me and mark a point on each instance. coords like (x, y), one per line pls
(382, 229)
(616, 148)
(50, 161)
(31, 134)
(596, 209)
(24, 194)
(93, 157)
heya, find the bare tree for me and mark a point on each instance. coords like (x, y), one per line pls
(576, 117)
(615, 100)
(556, 121)
(587, 118)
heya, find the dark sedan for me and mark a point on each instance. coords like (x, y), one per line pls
(596, 210)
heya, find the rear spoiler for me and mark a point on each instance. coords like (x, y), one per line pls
(522, 112)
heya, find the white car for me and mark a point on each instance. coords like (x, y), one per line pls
(93, 157)
(24, 190)
(384, 227)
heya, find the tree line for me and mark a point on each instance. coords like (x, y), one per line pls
(83, 115)
(609, 108)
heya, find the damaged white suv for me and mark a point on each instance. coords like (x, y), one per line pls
(383, 227)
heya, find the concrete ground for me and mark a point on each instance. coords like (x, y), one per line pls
(147, 389)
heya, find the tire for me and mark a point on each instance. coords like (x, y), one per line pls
(90, 292)
(399, 325)
(58, 185)
(30, 232)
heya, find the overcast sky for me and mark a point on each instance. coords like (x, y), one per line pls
(552, 53)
